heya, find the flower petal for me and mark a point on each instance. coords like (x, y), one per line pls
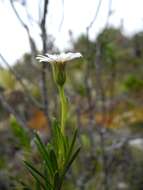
(71, 56)
(42, 58)
(58, 58)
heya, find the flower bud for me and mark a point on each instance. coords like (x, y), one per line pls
(59, 74)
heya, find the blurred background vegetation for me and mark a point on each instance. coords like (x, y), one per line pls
(106, 104)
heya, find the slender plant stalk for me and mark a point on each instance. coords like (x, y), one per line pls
(63, 101)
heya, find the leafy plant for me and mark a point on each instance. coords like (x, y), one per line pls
(57, 157)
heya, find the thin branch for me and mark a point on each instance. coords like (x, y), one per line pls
(95, 17)
(44, 65)
(31, 41)
(100, 95)
(104, 158)
(44, 89)
(109, 13)
(43, 26)
(33, 47)
(19, 18)
(18, 78)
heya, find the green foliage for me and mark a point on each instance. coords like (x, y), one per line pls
(133, 83)
(7, 80)
(20, 133)
(57, 157)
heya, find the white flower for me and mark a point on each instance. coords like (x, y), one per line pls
(58, 58)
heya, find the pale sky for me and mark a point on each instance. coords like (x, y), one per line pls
(77, 15)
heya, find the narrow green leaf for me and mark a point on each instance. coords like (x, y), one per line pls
(57, 182)
(65, 145)
(25, 186)
(56, 137)
(69, 163)
(34, 174)
(72, 159)
(43, 152)
(34, 169)
(31, 168)
(59, 141)
(53, 160)
(38, 187)
(47, 177)
(71, 146)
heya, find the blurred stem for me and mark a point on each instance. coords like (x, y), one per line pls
(63, 101)
(45, 93)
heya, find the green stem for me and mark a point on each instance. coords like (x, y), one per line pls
(63, 101)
